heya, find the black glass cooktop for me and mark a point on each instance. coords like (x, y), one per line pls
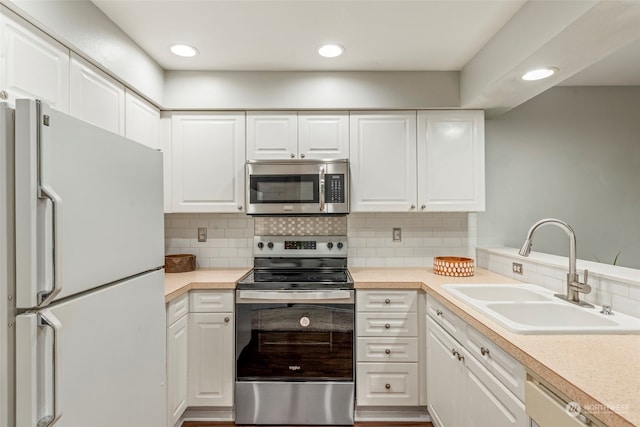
(296, 279)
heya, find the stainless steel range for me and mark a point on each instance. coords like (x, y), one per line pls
(295, 333)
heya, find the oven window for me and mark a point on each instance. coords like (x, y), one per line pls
(284, 189)
(294, 342)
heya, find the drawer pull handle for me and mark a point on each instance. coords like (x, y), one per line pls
(387, 351)
(387, 326)
(226, 320)
(484, 351)
(454, 352)
(460, 357)
(439, 313)
(387, 301)
(387, 386)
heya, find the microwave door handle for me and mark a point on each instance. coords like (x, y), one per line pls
(322, 189)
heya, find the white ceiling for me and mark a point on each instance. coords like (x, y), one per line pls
(261, 35)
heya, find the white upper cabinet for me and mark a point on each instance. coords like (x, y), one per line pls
(383, 161)
(297, 135)
(323, 135)
(142, 120)
(207, 162)
(32, 64)
(451, 161)
(96, 97)
(272, 135)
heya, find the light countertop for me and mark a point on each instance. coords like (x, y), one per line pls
(597, 371)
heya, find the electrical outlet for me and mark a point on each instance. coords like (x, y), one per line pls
(397, 234)
(202, 234)
(517, 268)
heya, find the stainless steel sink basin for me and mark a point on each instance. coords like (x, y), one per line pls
(531, 309)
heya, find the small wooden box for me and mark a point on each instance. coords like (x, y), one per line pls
(179, 263)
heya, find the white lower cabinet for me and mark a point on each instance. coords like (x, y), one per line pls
(211, 349)
(463, 388)
(387, 371)
(177, 358)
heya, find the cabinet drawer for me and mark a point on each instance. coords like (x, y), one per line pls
(387, 324)
(387, 384)
(445, 318)
(387, 301)
(506, 369)
(378, 349)
(212, 301)
(177, 308)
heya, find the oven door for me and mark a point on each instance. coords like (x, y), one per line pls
(294, 335)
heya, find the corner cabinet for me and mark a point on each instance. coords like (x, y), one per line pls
(451, 161)
(470, 381)
(207, 162)
(142, 121)
(425, 161)
(297, 135)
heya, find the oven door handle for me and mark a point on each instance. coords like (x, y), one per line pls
(295, 295)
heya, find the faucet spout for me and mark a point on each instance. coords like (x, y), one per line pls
(573, 283)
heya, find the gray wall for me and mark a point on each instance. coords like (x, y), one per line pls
(572, 153)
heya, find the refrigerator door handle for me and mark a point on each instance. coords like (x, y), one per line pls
(47, 319)
(44, 297)
(36, 395)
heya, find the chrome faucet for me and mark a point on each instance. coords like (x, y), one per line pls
(574, 286)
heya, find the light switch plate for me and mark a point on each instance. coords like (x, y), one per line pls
(202, 234)
(397, 234)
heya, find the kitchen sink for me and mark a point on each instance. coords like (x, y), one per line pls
(531, 309)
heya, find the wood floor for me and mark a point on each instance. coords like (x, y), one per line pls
(359, 424)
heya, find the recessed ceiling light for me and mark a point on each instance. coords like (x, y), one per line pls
(184, 50)
(330, 50)
(539, 74)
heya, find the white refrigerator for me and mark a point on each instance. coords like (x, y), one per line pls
(81, 221)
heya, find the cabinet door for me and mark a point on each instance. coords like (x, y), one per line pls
(207, 162)
(383, 162)
(32, 64)
(451, 161)
(272, 135)
(445, 376)
(323, 135)
(210, 359)
(142, 120)
(488, 402)
(96, 97)
(177, 356)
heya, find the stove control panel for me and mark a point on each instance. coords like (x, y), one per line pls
(300, 246)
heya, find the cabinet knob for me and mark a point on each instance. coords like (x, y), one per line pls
(413, 207)
(460, 357)
(226, 320)
(292, 155)
(239, 207)
(387, 301)
(387, 386)
(454, 352)
(387, 326)
(302, 156)
(387, 351)
(4, 95)
(439, 313)
(423, 207)
(484, 351)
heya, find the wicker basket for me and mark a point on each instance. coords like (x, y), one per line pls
(453, 266)
(179, 263)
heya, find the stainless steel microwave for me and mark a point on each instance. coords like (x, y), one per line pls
(302, 187)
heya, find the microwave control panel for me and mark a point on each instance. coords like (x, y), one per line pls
(334, 188)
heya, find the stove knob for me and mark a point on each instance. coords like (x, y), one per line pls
(330, 245)
(260, 245)
(270, 245)
(340, 245)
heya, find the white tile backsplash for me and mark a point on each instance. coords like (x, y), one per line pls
(424, 236)
(618, 287)
(229, 238)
